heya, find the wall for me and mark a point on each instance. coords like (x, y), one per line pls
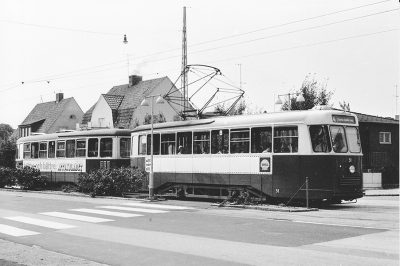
(164, 108)
(68, 119)
(102, 110)
(381, 158)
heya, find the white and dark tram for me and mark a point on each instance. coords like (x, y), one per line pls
(63, 156)
(267, 155)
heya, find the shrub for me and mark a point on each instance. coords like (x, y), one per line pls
(113, 182)
(6, 177)
(29, 178)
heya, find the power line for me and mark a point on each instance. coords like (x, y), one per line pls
(58, 28)
(296, 31)
(65, 75)
(290, 22)
(307, 45)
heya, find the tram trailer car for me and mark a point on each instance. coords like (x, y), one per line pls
(61, 157)
(267, 155)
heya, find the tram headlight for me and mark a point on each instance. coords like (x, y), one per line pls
(352, 169)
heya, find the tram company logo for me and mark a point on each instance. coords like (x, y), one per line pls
(265, 164)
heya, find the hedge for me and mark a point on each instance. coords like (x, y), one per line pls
(112, 182)
(26, 178)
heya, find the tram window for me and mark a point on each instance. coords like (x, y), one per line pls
(167, 144)
(184, 143)
(285, 139)
(106, 147)
(61, 148)
(34, 150)
(240, 140)
(27, 150)
(338, 139)
(261, 139)
(70, 148)
(81, 148)
(320, 138)
(142, 145)
(156, 146)
(43, 150)
(124, 147)
(354, 139)
(220, 141)
(52, 149)
(201, 142)
(93, 147)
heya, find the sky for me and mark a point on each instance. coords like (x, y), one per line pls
(266, 47)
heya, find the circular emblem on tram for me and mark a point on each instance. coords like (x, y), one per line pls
(265, 164)
(352, 169)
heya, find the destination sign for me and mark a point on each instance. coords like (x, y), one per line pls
(345, 119)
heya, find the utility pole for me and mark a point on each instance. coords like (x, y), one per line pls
(184, 82)
(240, 75)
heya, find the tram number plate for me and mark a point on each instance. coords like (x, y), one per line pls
(265, 164)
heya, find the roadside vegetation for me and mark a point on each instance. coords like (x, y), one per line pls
(102, 182)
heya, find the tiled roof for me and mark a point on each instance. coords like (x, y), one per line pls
(114, 101)
(123, 100)
(48, 111)
(364, 118)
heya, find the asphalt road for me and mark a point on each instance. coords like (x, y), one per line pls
(46, 229)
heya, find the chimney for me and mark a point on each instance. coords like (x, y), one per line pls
(59, 97)
(134, 79)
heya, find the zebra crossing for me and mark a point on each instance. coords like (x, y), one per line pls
(87, 215)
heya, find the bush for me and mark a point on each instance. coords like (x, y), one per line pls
(29, 178)
(113, 182)
(6, 177)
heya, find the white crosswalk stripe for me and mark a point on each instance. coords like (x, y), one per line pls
(132, 209)
(77, 217)
(40, 222)
(157, 206)
(15, 231)
(110, 213)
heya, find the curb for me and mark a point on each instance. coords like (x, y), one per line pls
(268, 208)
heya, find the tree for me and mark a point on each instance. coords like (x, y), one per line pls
(314, 93)
(239, 109)
(160, 118)
(7, 146)
(345, 106)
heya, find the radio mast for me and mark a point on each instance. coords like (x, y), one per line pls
(184, 81)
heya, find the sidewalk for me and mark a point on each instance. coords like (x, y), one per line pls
(381, 192)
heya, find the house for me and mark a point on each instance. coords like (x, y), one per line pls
(50, 117)
(380, 146)
(120, 106)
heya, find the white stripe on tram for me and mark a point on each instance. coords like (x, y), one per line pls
(76, 217)
(132, 209)
(39, 222)
(102, 212)
(15, 231)
(158, 206)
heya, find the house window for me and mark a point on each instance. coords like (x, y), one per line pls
(27, 150)
(385, 137)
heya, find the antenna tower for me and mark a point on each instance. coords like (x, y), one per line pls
(184, 81)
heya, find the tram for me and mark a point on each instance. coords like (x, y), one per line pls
(62, 156)
(266, 155)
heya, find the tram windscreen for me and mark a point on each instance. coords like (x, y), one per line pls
(353, 139)
(320, 138)
(339, 143)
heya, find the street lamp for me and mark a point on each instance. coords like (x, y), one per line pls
(299, 98)
(145, 102)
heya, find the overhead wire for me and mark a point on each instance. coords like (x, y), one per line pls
(65, 75)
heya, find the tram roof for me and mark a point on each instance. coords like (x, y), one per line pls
(292, 117)
(77, 133)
